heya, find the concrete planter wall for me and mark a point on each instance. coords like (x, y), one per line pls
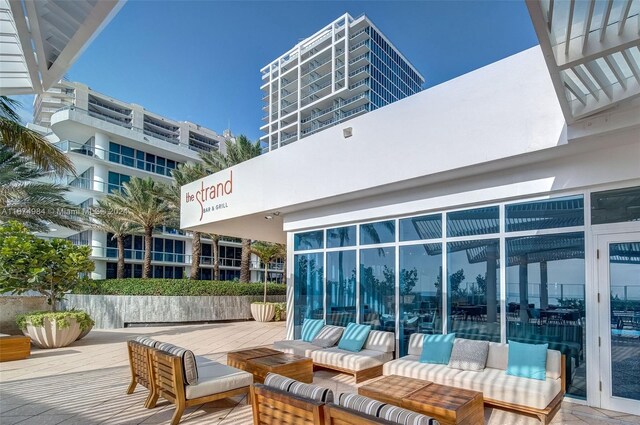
(114, 311)
(12, 305)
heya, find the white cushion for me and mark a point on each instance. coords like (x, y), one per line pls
(296, 346)
(1, 335)
(497, 385)
(411, 367)
(214, 378)
(384, 342)
(415, 344)
(363, 359)
(498, 358)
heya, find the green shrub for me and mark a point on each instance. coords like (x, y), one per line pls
(281, 312)
(61, 319)
(175, 287)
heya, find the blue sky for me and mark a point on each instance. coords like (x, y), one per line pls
(200, 60)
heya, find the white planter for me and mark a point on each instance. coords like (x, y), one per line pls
(263, 312)
(49, 336)
(84, 333)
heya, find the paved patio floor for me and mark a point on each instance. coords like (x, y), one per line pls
(85, 383)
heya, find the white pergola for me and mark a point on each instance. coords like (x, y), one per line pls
(592, 49)
(40, 39)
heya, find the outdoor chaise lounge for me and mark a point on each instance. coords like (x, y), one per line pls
(14, 347)
(535, 397)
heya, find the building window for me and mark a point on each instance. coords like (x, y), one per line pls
(341, 287)
(615, 206)
(139, 159)
(377, 288)
(418, 228)
(545, 214)
(479, 221)
(341, 237)
(308, 289)
(116, 180)
(309, 240)
(380, 232)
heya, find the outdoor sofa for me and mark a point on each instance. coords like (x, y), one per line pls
(284, 400)
(541, 398)
(364, 364)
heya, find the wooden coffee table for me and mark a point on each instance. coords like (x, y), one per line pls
(261, 361)
(449, 405)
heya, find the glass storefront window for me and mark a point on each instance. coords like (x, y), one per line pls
(308, 289)
(615, 206)
(377, 288)
(341, 237)
(479, 221)
(380, 232)
(545, 214)
(424, 227)
(546, 298)
(308, 240)
(420, 297)
(341, 287)
(473, 290)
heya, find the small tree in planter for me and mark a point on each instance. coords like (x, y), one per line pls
(50, 267)
(266, 252)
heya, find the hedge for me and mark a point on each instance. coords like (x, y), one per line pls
(175, 287)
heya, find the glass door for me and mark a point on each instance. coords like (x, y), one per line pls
(619, 316)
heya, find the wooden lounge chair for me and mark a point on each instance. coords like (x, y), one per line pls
(140, 368)
(271, 405)
(14, 347)
(337, 415)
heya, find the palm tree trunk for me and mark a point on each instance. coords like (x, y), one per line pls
(245, 271)
(120, 266)
(215, 250)
(196, 250)
(146, 269)
(266, 271)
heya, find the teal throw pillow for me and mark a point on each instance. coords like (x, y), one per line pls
(527, 360)
(310, 329)
(436, 349)
(354, 337)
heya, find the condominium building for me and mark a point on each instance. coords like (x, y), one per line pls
(110, 141)
(346, 69)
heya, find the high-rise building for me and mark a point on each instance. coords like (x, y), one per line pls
(344, 70)
(110, 141)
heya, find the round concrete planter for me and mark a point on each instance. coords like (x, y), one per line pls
(49, 336)
(263, 312)
(84, 333)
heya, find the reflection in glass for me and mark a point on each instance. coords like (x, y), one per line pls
(307, 287)
(420, 297)
(341, 288)
(545, 214)
(377, 288)
(615, 206)
(545, 298)
(424, 227)
(308, 240)
(624, 278)
(473, 289)
(380, 232)
(341, 236)
(479, 221)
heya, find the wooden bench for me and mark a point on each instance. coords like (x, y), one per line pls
(270, 405)
(14, 347)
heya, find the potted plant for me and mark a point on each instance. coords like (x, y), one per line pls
(266, 252)
(52, 268)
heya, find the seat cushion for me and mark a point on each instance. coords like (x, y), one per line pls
(411, 367)
(328, 336)
(437, 348)
(359, 403)
(498, 358)
(189, 369)
(468, 354)
(279, 382)
(337, 357)
(382, 341)
(313, 392)
(145, 340)
(354, 337)
(527, 360)
(401, 416)
(217, 378)
(497, 385)
(296, 346)
(310, 328)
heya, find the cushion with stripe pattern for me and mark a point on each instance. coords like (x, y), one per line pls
(145, 340)
(279, 382)
(328, 336)
(402, 416)
(189, 368)
(360, 404)
(312, 392)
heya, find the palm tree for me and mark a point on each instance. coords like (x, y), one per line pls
(215, 246)
(28, 143)
(143, 202)
(105, 221)
(239, 151)
(267, 252)
(36, 204)
(185, 174)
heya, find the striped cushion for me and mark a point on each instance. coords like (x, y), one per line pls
(360, 404)
(189, 368)
(328, 336)
(402, 416)
(145, 340)
(312, 392)
(279, 382)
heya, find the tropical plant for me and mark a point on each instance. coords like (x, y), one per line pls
(266, 252)
(25, 198)
(237, 151)
(185, 174)
(50, 267)
(142, 202)
(29, 144)
(105, 220)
